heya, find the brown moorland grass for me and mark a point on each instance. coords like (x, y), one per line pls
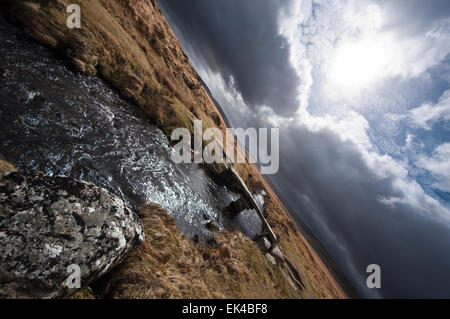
(131, 46)
(170, 265)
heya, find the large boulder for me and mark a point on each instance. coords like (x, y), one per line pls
(50, 226)
(236, 207)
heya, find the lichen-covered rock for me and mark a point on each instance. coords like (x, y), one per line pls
(50, 223)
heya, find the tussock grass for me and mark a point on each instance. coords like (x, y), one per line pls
(169, 265)
(6, 167)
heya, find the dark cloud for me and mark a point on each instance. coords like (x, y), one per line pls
(333, 185)
(240, 39)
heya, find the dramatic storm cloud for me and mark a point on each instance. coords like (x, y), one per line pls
(235, 38)
(360, 92)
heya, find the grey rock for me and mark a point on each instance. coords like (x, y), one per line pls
(276, 252)
(49, 223)
(236, 207)
(271, 259)
(264, 244)
(249, 223)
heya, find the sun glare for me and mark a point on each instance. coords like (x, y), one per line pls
(355, 65)
(357, 62)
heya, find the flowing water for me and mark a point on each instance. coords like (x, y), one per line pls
(59, 122)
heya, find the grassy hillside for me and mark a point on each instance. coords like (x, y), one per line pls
(130, 45)
(170, 265)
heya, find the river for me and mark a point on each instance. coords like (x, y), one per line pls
(60, 122)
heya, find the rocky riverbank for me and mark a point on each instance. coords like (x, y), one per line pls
(59, 122)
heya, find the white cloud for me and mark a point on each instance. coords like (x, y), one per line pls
(428, 114)
(439, 166)
(414, 196)
(347, 46)
(409, 140)
(344, 45)
(349, 125)
(298, 12)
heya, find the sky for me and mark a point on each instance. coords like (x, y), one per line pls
(360, 91)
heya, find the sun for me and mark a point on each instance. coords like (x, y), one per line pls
(363, 55)
(356, 64)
